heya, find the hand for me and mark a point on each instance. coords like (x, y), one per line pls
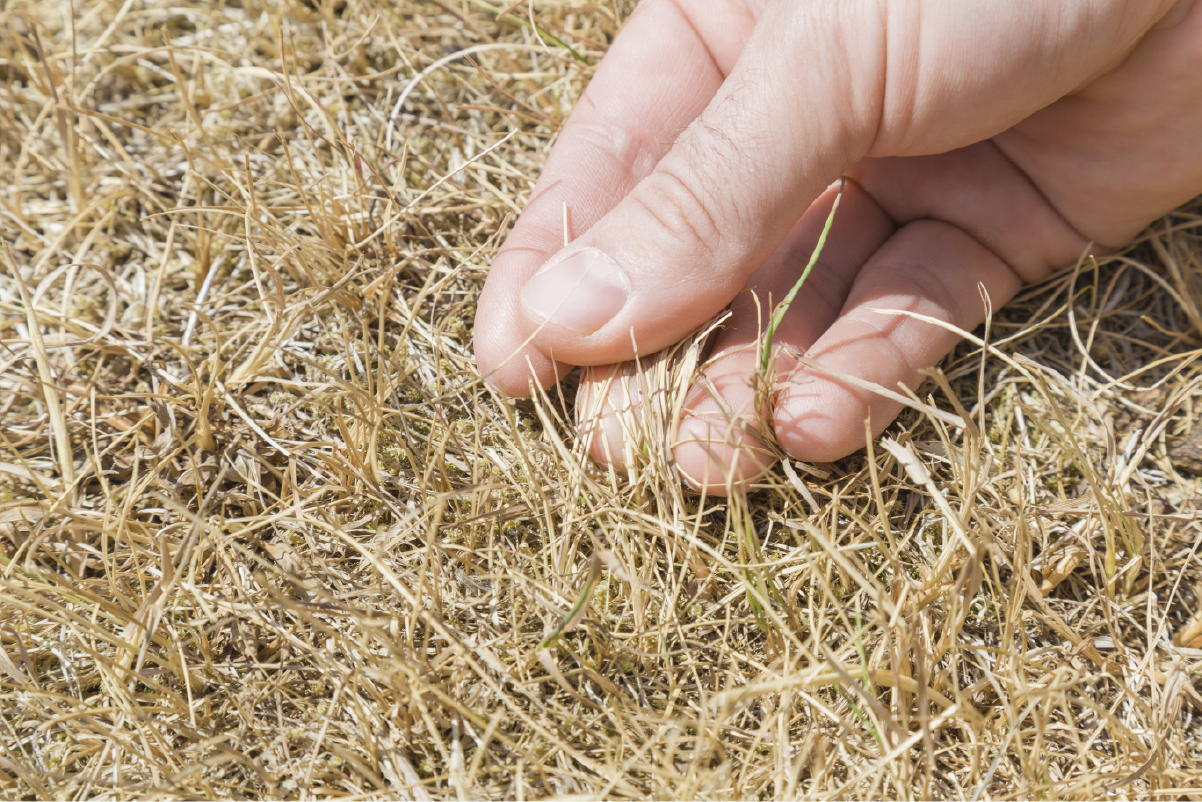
(986, 144)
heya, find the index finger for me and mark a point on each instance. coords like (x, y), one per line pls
(661, 72)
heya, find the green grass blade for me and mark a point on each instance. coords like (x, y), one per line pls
(550, 37)
(779, 313)
(539, 29)
(577, 612)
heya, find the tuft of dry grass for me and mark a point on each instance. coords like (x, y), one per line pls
(264, 533)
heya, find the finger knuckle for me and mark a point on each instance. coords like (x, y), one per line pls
(683, 212)
(631, 155)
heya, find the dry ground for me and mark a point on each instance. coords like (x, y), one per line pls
(263, 533)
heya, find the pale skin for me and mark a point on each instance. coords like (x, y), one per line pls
(986, 144)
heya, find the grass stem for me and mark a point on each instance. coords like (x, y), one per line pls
(782, 308)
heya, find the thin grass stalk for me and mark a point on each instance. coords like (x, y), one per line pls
(778, 315)
(54, 409)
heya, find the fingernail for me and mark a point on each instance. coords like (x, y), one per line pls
(581, 293)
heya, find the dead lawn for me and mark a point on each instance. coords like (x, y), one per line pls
(263, 532)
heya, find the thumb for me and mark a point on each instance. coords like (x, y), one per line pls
(787, 121)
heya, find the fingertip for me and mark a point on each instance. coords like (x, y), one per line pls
(717, 456)
(820, 420)
(607, 413)
(516, 370)
(719, 448)
(598, 422)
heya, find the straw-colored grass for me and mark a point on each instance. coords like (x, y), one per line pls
(264, 533)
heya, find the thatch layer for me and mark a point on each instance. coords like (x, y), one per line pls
(264, 533)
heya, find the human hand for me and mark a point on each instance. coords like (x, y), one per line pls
(986, 144)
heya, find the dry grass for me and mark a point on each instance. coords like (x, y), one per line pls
(264, 533)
